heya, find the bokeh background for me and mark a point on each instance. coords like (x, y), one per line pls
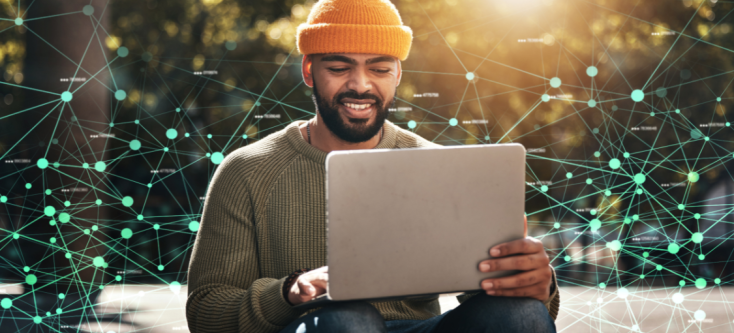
(115, 114)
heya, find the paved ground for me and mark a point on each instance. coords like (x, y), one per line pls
(158, 308)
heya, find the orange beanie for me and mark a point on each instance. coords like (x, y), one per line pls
(354, 26)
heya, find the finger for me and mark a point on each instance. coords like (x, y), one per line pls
(525, 230)
(519, 280)
(319, 280)
(523, 262)
(525, 245)
(306, 289)
(538, 291)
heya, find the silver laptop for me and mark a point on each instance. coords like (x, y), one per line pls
(415, 223)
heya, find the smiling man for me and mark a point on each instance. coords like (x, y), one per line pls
(263, 224)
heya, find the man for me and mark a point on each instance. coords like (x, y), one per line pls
(264, 216)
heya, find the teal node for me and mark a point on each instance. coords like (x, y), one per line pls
(569, 175)
(16, 235)
(717, 280)
(470, 76)
(67, 203)
(597, 154)
(682, 283)
(134, 144)
(673, 248)
(28, 186)
(244, 136)
(59, 311)
(175, 286)
(718, 99)
(639, 178)
(171, 133)
(112, 124)
(64, 217)
(615, 108)
(693, 176)
(545, 97)
(123, 51)
(652, 114)
(137, 122)
(165, 149)
(18, 21)
(728, 124)
(156, 226)
(6, 303)
(178, 109)
(3, 199)
(118, 278)
(127, 201)
(187, 135)
(555, 82)
(701, 257)
(592, 71)
(49, 211)
(86, 231)
(67, 255)
(100, 166)
(642, 276)
(52, 240)
(486, 138)
(98, 202)
(31, 279)
(595, 224)
(57, 164)
(453, 122)
(635, 217)
(140, 217)
(98, 261)
(627, 220)
(700, 283)
(126, 233)
(556, 225)
(194, 226)
(66, 96)
(696, 133)
(659, 267)
(697, 216)
(602, 285)
(595, 131)
(677, 110)
(48, 192)
(217, 158)
(85, 165)
(589, 181)
(593, 212)
(147, 56)
(626, 155)
(26, 269)
(208, 136)
(591, 103)
(52, 222)
(638, 191)
(645, 254)
(637, 95)
(88, 10)
(614, 163)
(160, 267)
(120, 95)
(614, 245)
(706, 138)
(607, 192)
(661, 92)
(37, 319)
(62, 296)
(681, 206)
(42, 163)
(230, 45)
(150, 185)
(544, 188)
(101, 286)
(567, 258)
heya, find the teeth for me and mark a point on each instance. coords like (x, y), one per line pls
(357, 106)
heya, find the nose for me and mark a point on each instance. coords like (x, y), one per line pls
(359, 82)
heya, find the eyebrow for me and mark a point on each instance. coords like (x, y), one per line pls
(380, 59)
(339, 58)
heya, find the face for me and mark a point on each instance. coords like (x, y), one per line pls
(352, 92)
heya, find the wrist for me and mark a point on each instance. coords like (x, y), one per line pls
(290, 280)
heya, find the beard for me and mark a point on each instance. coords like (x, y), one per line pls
(355, 130)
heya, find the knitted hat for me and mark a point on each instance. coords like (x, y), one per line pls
(354, 26)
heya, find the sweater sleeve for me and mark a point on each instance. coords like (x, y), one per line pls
(552, 303)
(225, 290)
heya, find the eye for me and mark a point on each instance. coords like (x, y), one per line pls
(337, 70)
(382, 71)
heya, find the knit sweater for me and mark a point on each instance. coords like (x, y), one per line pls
(264, 217)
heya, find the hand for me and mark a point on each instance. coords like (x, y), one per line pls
(526, 254)
(309, 285)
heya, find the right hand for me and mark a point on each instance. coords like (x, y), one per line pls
(309, 285)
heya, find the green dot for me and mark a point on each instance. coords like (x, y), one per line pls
(591, 103)
(569, 175)
(42, 163)
(6, 303)
(98, 261)
(187, 135)
(635, 217)
(156, 226)
(412, 124)
(37, 319)
(140, 217)
(120, 95)
(681, 206)
(595, 131)
(194, 226)
(165, 149)
(52, 222)
(48, 192)
(217, 158)
(693, 176)
(16, 235)
(57, 164)
(701, 257)
(637, 95)
(208, 155)
(68, 256)
(26, 269)
(642, 276)
(593, 212)
(134, 144)
(555, 82)
(126, 233)
(171, 133)
(123, 52)
(62, 296)
(592, 71)
(627, 221)
(614, 245)
(28, 186)
(615, 108)
(470, 76)
(208, 136)
(700, 283)
(150, 185)
(697, 237)
(486, 138)
(638, 191)
(544, 188)
(718, 99)
(556, 225)
(3, 199)
(52, 240)
(597, 154)
(178, 109)
(18, 21)
(453, 122)
(659, 267)
(697, 216)
(588, 181)
(614, 163)
(545, 97)
(717, 280)
(230, 45)
(661, 92)
(49, 211)
(88, 10)
(85, 165)
(645, 254)
(677, 110)
(66, 96)
(98, 202)
(595, 224)
(682, 283)
(160, 267)
(244, 136)
(607, 192)
(639, 178)
(64, 217)
(127, 201)
(626, 155)
(86, 231)
(652, 114)
(100, 166)
(602, 285)
(31, 279)
(567, 258)
(673, 248)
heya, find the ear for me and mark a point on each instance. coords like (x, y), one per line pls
(307, 70)
(400, 73)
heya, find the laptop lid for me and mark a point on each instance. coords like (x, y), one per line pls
(419, 220)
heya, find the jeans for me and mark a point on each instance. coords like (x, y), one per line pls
(480, 313)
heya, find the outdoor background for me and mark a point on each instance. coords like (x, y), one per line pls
(115, 114)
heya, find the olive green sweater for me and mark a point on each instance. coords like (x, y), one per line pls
(264, 217)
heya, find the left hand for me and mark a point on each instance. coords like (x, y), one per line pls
(527, 255)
